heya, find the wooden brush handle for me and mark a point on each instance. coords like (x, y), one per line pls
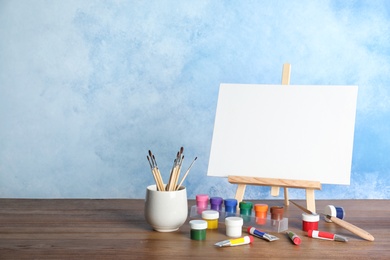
(354, 229)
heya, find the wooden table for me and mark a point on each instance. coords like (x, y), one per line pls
(116, 228)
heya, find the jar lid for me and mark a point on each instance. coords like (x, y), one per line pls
(234, 221)
(198, 224)
(276, 210)
(231, 202)
(210, 214)
(310, 217)
(216, 200)
(331, 211)
(202, 197)
(246, 205)
(334, 212)
(261, 207)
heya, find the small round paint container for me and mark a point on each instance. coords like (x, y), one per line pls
(234, 226)
(310, 221)
(198, 229)
(246, 208)
(334, 211)
(276, 212)
(230, 207)
(216, 203)
(261, 210)
(261, 213)
(211, 216)
(202, 201)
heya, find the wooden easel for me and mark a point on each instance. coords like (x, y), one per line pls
(275, 184)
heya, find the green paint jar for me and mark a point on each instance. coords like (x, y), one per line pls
(198, 229)
(246, 208)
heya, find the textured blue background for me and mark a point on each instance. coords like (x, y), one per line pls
(88, 87)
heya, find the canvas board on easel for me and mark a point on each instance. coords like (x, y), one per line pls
(302, 132)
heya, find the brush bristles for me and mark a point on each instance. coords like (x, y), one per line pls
(172, 184)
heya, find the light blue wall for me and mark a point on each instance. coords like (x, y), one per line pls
(88, 87)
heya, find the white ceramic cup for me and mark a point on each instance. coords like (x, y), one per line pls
(166, 211)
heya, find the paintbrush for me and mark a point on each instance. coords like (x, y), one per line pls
(176, 179)
(158, 174)
(342, 223)
(185, 174)
(180, 159)
(171, 175)
(175, 172)
(154, 174)
(155, 171)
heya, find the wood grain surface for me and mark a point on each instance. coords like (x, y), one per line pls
(116, 229)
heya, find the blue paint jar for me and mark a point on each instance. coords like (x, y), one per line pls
(230, 207)
(334, 211)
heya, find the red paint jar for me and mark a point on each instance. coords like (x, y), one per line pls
(310, 221)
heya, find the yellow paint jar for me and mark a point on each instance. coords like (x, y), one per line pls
(211, 216)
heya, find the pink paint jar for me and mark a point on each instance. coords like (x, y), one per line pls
(202, 201)
(310, 221)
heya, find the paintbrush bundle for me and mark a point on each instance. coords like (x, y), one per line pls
(172, 184)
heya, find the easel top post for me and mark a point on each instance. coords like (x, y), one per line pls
(286, 74)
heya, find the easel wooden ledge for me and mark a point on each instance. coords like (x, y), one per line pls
(310, 186)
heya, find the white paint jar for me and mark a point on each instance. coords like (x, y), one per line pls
(234, 226)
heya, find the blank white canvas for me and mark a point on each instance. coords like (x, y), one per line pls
(298, 132)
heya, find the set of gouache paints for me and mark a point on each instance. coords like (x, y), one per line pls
(210, 211)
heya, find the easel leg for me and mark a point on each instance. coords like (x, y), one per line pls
(240, 192)
(310, 200)
(286, 202)
(275, 191)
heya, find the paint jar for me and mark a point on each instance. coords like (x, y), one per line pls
(261, 210)
(211, 216)
(234, 226)
(216, 203)
(334, 211)
(261, 213)
(230, 207)
(276, 212)
(198, 229)
(310, 221)
(246, 210)
(202, 201)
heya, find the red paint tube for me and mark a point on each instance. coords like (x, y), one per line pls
(326, 235)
